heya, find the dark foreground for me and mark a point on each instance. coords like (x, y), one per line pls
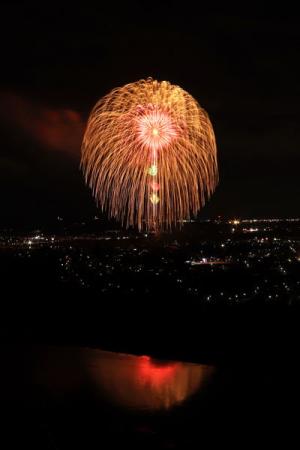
(75, 398)
(240, 390)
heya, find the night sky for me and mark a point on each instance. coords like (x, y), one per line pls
(57, 61)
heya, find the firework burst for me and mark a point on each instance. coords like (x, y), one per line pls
(149, 155)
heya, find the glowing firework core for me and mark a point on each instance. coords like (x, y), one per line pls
(155, 128)
(149, 155)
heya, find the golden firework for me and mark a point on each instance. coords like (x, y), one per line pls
(149, 155)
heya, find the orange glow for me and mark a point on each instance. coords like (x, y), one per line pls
(54, 129)
(150, 129)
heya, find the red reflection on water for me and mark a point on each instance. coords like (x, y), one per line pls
(141, 382)
(157, 375)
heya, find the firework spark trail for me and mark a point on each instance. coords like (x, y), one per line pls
(149, 155)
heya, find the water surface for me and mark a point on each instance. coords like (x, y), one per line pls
(83, 398)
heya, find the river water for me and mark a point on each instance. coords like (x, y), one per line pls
(75, 397)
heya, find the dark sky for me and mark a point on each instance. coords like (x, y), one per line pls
(56, 61)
